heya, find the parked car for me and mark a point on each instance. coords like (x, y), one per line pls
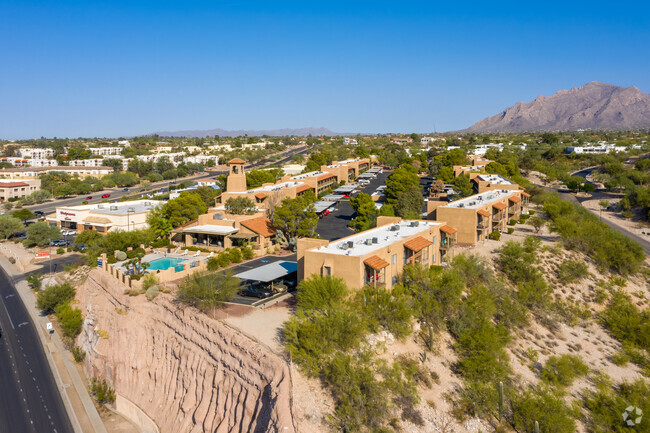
(125, 189)
(68, 232)
(39, 213)
(21, 235)
(255, 291)
(90, 197)
(59, 243)
(106, 196)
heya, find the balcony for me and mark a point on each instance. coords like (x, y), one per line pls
(497, 218)
(513, 210)
(482, 225)
(447, 243)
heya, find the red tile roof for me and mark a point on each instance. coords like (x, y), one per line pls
(482, 212)
(514, 199)
(448, 230)
(12, 184)
(303, 187)
(260, 195)
(499, 206)
(376, 262)
(236, 161)
(260, 225)
(418, 243)
(525, 194)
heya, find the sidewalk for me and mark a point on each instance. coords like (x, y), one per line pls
(78, 403)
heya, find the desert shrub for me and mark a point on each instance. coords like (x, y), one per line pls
(60, 251)
(321, 292)
(606, 405)
(524, 217)
(78, 353)
(531, 212)
(135, 252)
(402, 379)
(510, 230)
(70, 319)
(53, 296)
(121, 256)
(149, 280)
(247, 253)
(223, 259)
(389, 309)
(562, 370)
(582, 231)
(152, 292)
(235, 255)
(213, 263)
(34, 280)
(311, 337)
(208, 290)
(101, 391)
(495, 235)
(160, 243)
(625, 322)
(512, 222)
(546, 407)
(571, 271)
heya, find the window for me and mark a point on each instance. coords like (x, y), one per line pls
(394, 259)
(433, 259)
(434, 240)
(327, 270)
(394, 280)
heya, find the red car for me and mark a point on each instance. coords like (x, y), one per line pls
(106, 196)
(90, 197)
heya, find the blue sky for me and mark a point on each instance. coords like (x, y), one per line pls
(119, 68)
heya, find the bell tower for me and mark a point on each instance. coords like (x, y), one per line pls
(236, 178)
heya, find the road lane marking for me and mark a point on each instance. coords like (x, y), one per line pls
(10, 321)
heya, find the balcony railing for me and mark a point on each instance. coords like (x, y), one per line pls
(513, 210)
(497, 218)
(445, 244)
(482, 225)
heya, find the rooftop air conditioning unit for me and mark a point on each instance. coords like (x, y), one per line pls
(375, 240)
(217, 216)
(350, 244)
(113, 207)
(368, 241)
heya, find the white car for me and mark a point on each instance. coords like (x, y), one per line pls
(68, 232)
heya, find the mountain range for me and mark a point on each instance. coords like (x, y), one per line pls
(298, 132)
(595, 106)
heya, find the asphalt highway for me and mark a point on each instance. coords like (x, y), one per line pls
(30, 401)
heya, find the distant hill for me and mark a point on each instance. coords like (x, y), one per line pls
(592, 106)
(299, 132)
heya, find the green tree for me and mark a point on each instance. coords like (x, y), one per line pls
(366, 212)
(41, 234)
(295, 217)
(537, 223)
(10, 225)
(207, 291)
(463, 185)
(24, 215)
(321, 292)
(70, 319)
(240, 206)
(400, 180)
(409, 203)
(53, 296)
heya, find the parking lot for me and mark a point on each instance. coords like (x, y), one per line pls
(252, 301)
(335, 225)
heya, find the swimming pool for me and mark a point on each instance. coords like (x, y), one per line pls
(166, 263)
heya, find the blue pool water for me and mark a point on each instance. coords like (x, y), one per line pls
(166, 263)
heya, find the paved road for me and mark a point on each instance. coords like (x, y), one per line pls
(29, 399)
(117, 193)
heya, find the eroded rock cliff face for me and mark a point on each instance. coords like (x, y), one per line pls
(189, 373)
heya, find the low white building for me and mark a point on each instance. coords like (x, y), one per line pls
(36, 153)
(104, 217)
(23, 162)
(105, 151)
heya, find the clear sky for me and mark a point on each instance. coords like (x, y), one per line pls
(118, 68)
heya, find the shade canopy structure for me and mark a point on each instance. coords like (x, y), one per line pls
(269, 272)
(211, 229)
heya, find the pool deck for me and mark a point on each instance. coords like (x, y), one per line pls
(190, 257)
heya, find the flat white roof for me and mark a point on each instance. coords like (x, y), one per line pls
(269, 188)
(478, 200)
(118, 208)
(211, 229)
(364, 242)
(310, 174)
(495, 178)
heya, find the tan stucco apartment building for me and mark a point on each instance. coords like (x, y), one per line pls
(476, 216)
(18, 189)
(319, 181)
(377, 256)
(348, 170)
(35, 172)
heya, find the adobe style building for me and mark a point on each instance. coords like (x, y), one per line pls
(476, 216)
(319, 181)
(218, 230)
(267, 195)
(348, 170)
(490, 182)
(18, 189)
(377, 256)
